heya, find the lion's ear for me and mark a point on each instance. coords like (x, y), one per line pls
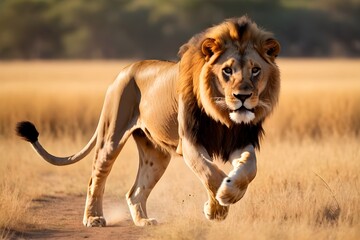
(271, 48)
(209, 47)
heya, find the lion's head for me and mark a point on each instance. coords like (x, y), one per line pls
(229, 71)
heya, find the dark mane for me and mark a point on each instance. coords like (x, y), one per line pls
(220, 140)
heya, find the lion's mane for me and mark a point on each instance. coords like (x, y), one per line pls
(212, 127)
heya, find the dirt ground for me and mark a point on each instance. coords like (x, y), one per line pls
(61, 218)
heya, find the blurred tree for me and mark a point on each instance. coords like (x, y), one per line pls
(27, 32)
(157, 28)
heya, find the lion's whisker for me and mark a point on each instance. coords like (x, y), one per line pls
(265, 105)
(220, 102)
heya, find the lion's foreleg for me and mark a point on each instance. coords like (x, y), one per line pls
(210, 175)
(233, 187)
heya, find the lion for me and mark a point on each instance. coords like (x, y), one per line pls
(209, 105)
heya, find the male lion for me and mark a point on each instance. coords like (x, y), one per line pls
(210, 104)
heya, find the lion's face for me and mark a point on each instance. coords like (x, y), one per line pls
(240, 81)
(232, 71)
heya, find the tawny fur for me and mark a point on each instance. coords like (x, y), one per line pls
(185, 106)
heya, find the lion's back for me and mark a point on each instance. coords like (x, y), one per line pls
(158, 105)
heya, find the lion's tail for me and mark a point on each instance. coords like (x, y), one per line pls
(28, 132)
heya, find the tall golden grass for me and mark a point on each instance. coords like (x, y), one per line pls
(307, 186)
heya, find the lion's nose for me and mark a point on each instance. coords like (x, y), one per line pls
(242, 97)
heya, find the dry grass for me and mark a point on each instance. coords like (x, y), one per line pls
(308, 181)
(318, 98)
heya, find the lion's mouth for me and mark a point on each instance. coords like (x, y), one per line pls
(242, 109)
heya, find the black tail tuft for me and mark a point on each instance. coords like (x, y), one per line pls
(27, 131)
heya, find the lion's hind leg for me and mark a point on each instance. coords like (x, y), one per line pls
(105, 157)
(93, 215)
(152, 164)
(117, 121)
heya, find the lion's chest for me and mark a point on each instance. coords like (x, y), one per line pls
(220, 141)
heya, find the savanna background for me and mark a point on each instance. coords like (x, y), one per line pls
(57, 59)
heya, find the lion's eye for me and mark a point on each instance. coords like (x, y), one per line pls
(227, 71)
(255, 71)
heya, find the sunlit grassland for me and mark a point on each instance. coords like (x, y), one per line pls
(307, 186)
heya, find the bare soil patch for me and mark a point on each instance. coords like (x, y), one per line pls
(60, 217)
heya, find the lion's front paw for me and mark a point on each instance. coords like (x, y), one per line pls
(229, 192)
(145, 222)
(95, 222)
(214, 211)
